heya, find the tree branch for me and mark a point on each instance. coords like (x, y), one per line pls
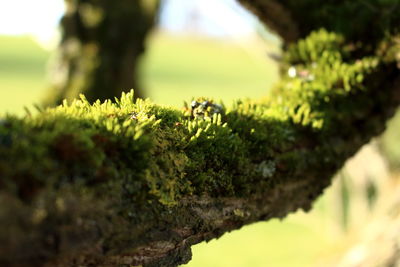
(132, 183)
(276, 16)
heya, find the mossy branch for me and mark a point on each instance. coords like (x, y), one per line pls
(131, 183)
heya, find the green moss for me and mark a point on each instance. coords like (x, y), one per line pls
(162, 154)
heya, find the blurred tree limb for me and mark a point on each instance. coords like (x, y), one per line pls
(102, 43)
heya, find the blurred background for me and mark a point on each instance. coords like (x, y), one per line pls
(193, 50)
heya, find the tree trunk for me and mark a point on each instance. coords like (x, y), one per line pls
(101, 46)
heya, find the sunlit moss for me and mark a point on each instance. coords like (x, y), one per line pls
(163, 154)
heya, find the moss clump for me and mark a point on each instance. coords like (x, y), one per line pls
(163, 154)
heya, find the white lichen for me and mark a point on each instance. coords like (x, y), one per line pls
(267, 168)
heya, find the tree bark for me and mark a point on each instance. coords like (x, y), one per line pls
(102, 43)
(292, 19)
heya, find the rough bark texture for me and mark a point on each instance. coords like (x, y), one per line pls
(102, 43)
(132, 184)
